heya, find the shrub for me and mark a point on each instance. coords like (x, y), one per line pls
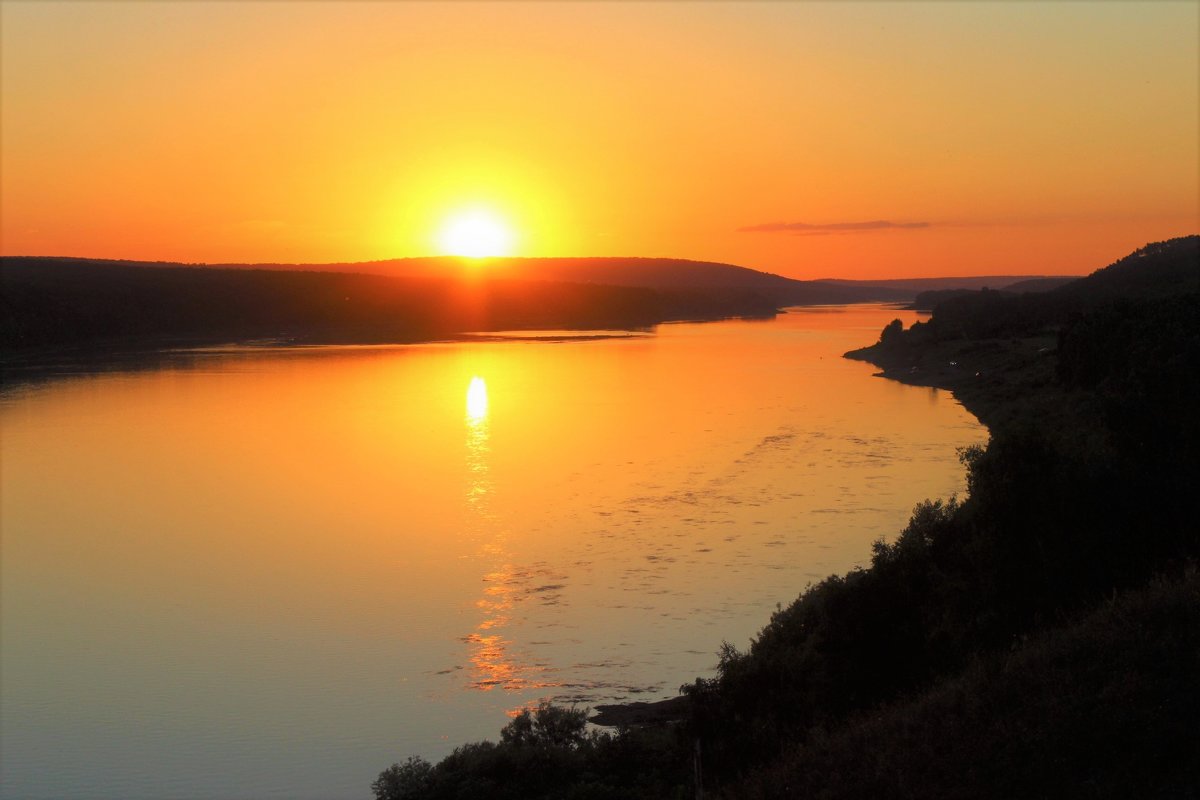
(407, 781)
(549, 726)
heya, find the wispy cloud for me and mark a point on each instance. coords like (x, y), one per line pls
(819, 229)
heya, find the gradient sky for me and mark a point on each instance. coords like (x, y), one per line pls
(850, 140)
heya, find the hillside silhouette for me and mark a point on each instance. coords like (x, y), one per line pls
(74, 302)
(49, 301)
(98, 303)
(653, 273)
(1038, 638)
(1009, 283)
(229, 307)
(930, 299)
(999, 352)
(1163, 269)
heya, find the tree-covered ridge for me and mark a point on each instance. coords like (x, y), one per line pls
(93, 304)
(1158, 270)
(977, 629)
(47, 301)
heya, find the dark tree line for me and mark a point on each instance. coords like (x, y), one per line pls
(72, 303)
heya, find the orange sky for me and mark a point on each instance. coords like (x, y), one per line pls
(991, 138)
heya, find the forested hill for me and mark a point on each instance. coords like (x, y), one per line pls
(69, 302)
(1001, 353)
(74, 301)
(652, 273)
(930, 299)
(1008, 283)
(1038, 638)
(1162, 269)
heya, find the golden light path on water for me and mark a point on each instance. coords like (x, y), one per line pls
(494, 665)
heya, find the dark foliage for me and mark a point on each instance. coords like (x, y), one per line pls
(928, 301)
(1103, 706)
(1000, 646)
(1049, 527)
(891, 332)
(1159, 270)
(545, 754)
(1037, 284)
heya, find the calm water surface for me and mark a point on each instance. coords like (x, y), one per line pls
(272, 573)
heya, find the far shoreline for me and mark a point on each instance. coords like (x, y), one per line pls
(23, 366)
(35, 364)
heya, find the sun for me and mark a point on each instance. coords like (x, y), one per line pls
(475, 234)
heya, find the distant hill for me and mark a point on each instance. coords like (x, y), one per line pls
(929, 300)
(1011, 283)
(70, 301)
(652, 273)
(1038, 284)
(1162, 269)
(663, 273)
(987, 344)
(674, 273)
(57, 302)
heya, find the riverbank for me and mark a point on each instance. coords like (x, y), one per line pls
(624, 715)
(1089, 394)
(998, 380)
(963, 660)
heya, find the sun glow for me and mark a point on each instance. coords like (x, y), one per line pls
(475, 234)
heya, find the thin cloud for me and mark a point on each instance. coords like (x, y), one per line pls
(818, 229)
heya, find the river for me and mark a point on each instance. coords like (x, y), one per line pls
(255, 572)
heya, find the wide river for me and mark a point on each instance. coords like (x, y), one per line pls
(254, 573)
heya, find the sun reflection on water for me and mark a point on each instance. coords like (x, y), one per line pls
(492, 664)
(477, 402)
(479, 482)
(497, 662)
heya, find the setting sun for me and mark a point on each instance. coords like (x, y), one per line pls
(476, 234)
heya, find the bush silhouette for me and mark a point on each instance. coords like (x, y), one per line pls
(549, 726)
(407, 781)
(891, 333)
